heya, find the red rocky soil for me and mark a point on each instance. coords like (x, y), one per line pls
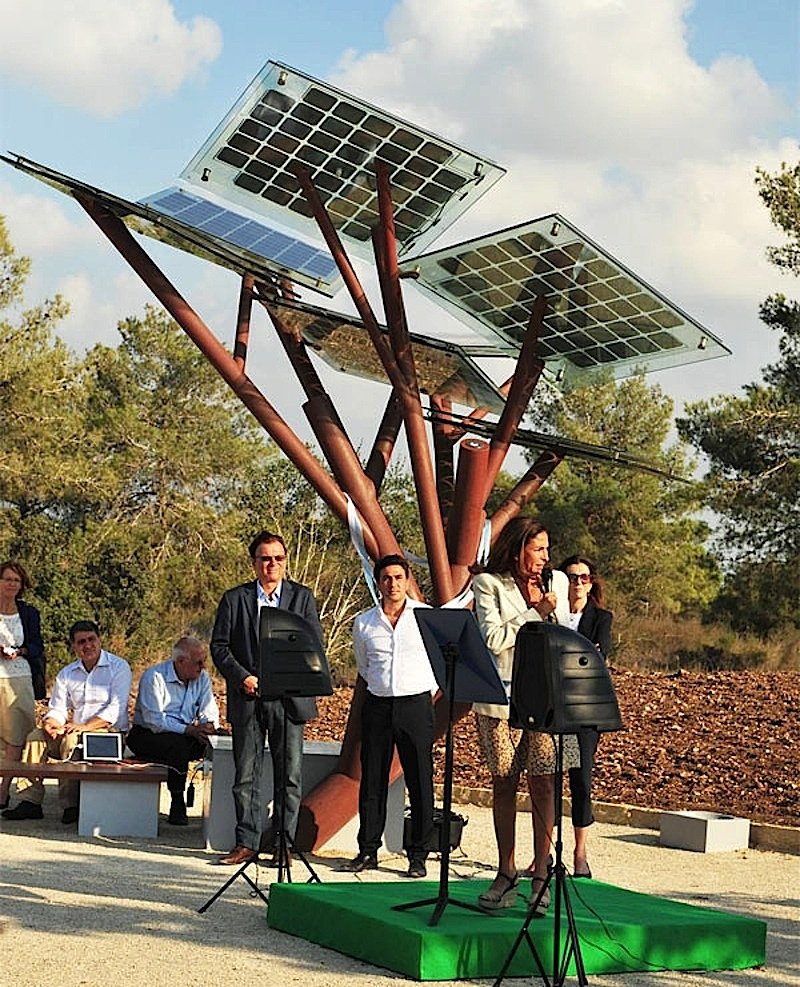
(719, 741)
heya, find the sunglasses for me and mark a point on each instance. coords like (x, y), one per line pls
(270, 558)
(579, 577)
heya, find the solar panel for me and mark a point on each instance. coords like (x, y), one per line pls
(292, 255)
(442, 368)
(286, 118)
(600, 315)
(183, 220)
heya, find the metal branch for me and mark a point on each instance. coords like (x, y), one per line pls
(222, 361)
(243, 321)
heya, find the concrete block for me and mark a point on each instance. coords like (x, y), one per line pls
(118, 808)
(319, 760)
(706, 832)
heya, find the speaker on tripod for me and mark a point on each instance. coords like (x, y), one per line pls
(292, 668)
(559, 685)
(560, 682)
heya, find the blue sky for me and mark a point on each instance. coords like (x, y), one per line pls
(766, 31)
(641, 122)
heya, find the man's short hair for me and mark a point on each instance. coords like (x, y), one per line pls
(184, 647)
(261, 538)
(88, 626)
(386, 561)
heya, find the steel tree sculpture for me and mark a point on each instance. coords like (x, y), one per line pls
(296, 160)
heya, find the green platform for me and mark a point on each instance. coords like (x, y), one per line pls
(619, 930)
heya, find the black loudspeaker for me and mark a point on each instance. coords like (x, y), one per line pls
(436, 844)
(560, 682)
(291, 659)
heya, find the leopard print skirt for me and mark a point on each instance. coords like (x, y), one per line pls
(509, 751)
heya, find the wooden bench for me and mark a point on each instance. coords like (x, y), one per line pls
(116, 799)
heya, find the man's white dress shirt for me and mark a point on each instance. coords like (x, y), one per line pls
(392, 660)
(103, 692)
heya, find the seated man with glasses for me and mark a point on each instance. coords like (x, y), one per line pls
(175, 714)
(235, 651)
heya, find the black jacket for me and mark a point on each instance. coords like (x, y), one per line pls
(234, 642)
(595, 623)
(34, 649)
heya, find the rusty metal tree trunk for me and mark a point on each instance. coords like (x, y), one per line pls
(461, 499)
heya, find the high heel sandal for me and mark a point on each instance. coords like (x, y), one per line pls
(544, 902)
(500, 897)
(530, 871)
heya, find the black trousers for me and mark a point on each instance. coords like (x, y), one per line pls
(580, 779)
(173, 749)
(407, 723)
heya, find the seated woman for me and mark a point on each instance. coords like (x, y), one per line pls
(509, 592)
(588, 617)
(21, 665)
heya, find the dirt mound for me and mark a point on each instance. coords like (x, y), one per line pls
(720, 741)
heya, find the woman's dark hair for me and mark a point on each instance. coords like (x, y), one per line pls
(597, 592)
(19, 570)
(509, 543)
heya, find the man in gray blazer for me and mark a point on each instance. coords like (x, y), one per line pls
(235, 650)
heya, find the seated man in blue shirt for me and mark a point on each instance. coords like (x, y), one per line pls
(175, 713)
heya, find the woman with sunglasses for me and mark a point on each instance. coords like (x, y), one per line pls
(21, 665)
(587, 616)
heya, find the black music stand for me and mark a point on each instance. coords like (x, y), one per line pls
(465, 672)
(292, 665)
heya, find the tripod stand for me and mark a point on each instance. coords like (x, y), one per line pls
(241, 872)
(285, 846)
(443, 899)
(557, 875)
(291, 668)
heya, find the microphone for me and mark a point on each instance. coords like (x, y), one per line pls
(547, 585)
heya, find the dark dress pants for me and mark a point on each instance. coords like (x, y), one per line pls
(254, 722)
(175, 750)
(580, 779)
(407, 723)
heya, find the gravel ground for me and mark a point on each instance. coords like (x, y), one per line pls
(111, 911)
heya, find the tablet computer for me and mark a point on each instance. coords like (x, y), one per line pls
(102, 746)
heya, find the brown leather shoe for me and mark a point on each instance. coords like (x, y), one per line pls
(239, 855)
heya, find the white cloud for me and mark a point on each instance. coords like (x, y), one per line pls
(97, 304)
(596, 78)
(40, 226)
(103, 56)
(599, 112)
